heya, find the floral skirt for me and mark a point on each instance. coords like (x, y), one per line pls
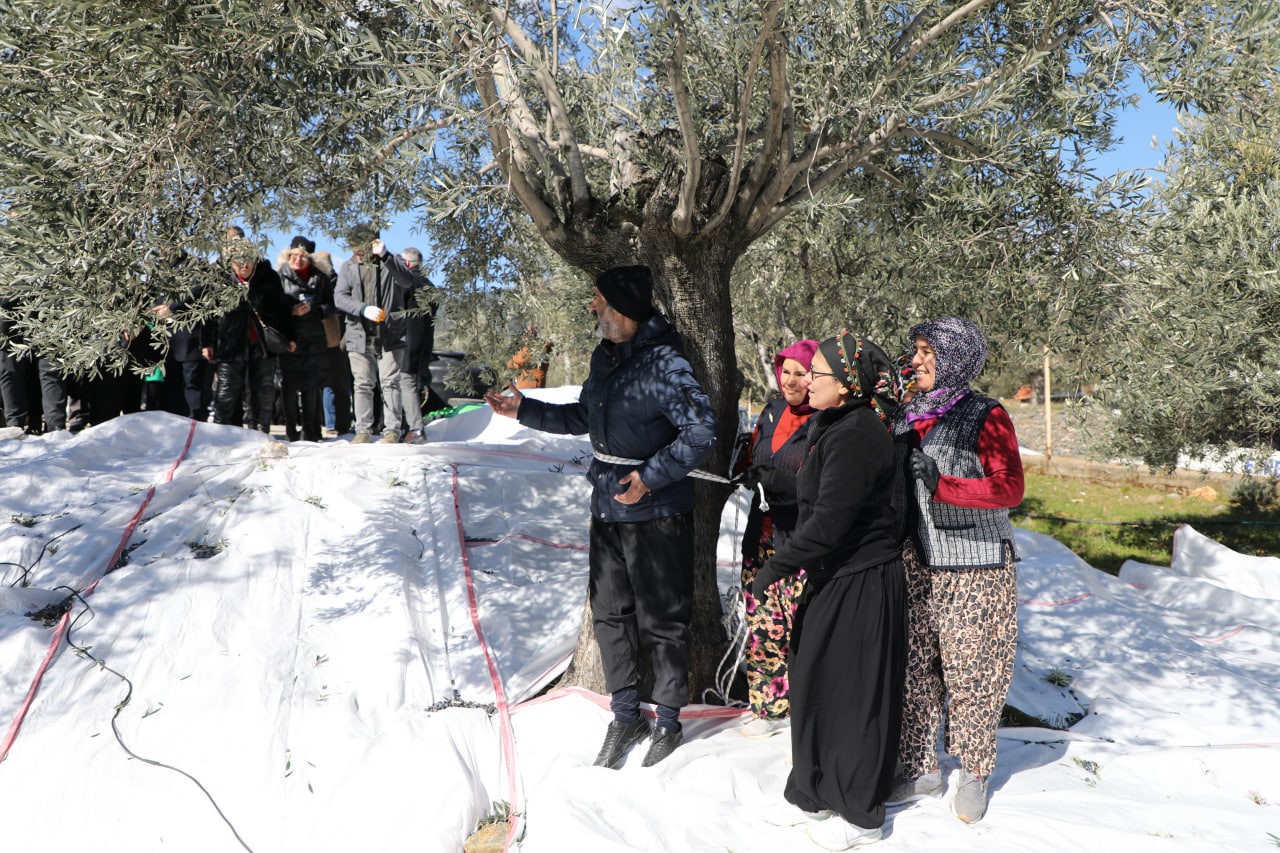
(769, 634)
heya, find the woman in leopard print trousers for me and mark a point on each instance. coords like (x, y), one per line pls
(960, 565)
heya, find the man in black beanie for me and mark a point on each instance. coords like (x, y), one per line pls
(650, 424)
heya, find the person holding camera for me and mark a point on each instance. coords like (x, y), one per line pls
(375, 297)
(304, 372)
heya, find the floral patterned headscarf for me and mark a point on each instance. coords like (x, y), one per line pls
(862, 366)
(960, 351)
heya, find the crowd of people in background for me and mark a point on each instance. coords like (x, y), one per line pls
(322, 352)
(878, 563)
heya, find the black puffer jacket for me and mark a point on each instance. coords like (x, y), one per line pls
(230, 335)
(640, 401)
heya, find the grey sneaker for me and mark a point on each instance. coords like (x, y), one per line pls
(389, 437)
(908, 790)
(361, 438)
(971, 797)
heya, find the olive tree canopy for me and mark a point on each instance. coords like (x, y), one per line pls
(675, 134)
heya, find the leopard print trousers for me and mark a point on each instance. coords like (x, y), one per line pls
(962, 637)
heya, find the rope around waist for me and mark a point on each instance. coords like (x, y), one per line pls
(621, 460)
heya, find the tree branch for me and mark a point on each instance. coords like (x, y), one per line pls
(992, 81)
(682, 217)
(579, 188)
(399, 139)
(524, 122)
(776, 154)
(840, 163)
(937, 30)
(948, 139)
(528, 194)
(768, 30)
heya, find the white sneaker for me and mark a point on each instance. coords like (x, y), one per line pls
(787, 814)
(839, 834)
(762, 727)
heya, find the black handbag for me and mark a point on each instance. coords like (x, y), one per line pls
(272, 338)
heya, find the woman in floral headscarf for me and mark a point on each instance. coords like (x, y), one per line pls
(848, 645)
(961, 581)
(776, 451)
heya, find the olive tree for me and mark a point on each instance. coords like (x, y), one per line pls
(1193, 365)
(674, 134)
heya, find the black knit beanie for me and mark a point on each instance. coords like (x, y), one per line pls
(628, 290)
(300, 242)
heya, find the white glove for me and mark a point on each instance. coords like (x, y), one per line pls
(379, 248)
(374, 313)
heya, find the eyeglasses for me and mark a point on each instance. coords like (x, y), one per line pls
(821, 373)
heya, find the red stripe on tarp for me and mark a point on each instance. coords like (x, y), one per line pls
(688, 712)
(61, 631)
(516, 809)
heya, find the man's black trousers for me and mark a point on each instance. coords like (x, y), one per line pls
(641, 586)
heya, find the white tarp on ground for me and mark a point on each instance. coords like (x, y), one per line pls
(293, 673)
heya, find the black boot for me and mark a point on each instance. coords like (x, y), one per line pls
(618, 740)
(664, 743)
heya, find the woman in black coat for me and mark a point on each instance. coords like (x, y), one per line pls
(848, 645)
(308, 286)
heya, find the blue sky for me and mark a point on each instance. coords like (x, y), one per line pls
(1137, 125)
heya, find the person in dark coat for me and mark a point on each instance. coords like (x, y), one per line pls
(848, 646)
(775, 452)
(236, 342)
(187, 374)
(304, 372)
(650, 424)
(419, 335)
(23, 377)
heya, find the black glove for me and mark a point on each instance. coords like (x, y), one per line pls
(764, 579)
(779, 485)
(924, 469)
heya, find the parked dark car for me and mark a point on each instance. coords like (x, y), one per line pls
(452, 378)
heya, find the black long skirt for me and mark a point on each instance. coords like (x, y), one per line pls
(847, 667)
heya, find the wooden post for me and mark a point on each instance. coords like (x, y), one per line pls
(1048, 409)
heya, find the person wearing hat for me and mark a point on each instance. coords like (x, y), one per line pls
(650, 424)
(236, 343)
(962, 584)
(848, 641)
(370, 292)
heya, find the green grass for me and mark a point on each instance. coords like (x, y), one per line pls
(1106, 524)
